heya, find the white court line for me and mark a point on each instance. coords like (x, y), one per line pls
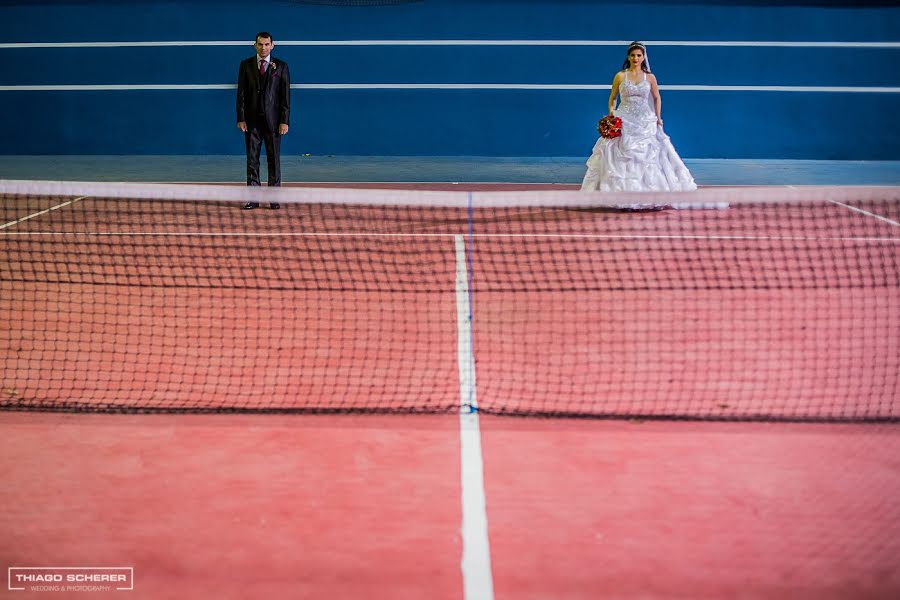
(865, 212)
(43, 212)
(478, 583)
(564, 236)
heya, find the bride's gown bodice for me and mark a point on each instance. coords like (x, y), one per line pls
(642, 158)
(635, 104)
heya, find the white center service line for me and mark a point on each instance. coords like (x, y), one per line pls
(43, 212)
(478, 583)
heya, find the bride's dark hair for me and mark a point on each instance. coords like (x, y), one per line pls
(645, 66)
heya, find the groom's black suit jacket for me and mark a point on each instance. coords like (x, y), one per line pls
(267, 96)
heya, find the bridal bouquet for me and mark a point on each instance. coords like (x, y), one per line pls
(610, 127)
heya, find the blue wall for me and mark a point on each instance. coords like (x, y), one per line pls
(547, 122)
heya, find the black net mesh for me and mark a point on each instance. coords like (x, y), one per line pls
(527, 304)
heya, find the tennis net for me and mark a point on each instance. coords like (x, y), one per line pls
(743, 304)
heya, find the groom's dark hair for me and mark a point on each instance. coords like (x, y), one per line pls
(264, 34)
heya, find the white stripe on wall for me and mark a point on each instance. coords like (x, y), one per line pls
(452, 86)
(720, 43)
(112, 88)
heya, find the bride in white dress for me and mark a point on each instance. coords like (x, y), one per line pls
(642, 159)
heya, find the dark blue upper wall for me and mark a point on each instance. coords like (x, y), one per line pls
(709, 123)
(113, 20)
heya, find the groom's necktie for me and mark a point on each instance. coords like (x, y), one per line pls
(262, 67)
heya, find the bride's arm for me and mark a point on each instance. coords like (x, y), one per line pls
(614, 92)
(657, 99)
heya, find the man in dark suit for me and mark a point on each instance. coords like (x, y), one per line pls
(263, 109)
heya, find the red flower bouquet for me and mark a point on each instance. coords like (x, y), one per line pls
(610, 127)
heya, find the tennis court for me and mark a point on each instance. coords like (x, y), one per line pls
(744, 361)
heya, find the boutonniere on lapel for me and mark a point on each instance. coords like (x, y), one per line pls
(272, 67)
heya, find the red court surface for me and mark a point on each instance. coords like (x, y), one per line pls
(236, 506)
(611, 509)
(292, 506)
(744, 314)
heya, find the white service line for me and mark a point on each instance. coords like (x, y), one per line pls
(43, 212)
(865, 212)
(478, 583)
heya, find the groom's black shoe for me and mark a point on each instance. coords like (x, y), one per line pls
(251, 205)
(274, 206)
